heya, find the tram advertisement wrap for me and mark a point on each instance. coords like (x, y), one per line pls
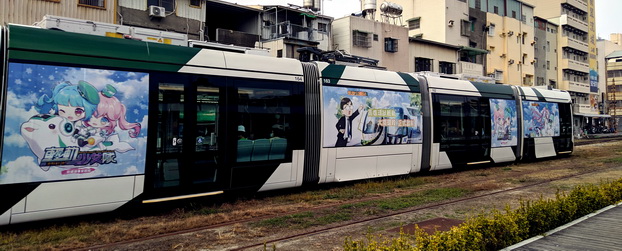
(541, 119)
(65, 123)
(503, 121)
(360, 117)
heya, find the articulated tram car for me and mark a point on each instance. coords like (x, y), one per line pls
(91, 123)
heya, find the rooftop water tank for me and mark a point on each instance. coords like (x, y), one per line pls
(369, 5)
(391, 8)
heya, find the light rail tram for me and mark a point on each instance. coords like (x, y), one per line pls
(92, 123)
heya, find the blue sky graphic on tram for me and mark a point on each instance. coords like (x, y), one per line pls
(66, 123)
(356, 117)
(541, 119)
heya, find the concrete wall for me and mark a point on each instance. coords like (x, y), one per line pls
(342, 37)
(140, 18)
(432, 51)
(186, 19)
(479, 36)
(551, 54)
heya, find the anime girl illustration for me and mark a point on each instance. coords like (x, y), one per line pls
(73, 102)
(100, 128)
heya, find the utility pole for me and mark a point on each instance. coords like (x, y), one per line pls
(612, 103)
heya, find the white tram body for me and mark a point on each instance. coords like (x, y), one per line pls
(198, 122)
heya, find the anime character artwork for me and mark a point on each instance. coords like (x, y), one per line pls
(504, 122)
(361, 117)
(73, 123)
(541, 119)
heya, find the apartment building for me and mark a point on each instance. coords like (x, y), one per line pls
(576, 53)
(444, 25)
(614, 86)
(605, 48)
(545, 49)
(510, 40)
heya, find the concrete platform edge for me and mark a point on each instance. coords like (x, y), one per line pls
(535, 238)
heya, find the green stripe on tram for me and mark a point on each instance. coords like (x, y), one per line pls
(539, 95)
(27, 43)
(412, 83)
(494, 90)
(333, 73)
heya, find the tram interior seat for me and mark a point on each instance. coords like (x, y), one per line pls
(277, 148)
(171, 172)
(245, 150)
(261, 149)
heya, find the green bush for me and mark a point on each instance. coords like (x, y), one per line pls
(497, 229)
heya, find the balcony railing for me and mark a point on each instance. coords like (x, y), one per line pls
(582, 108)
(289, 30)
(470, 68)
(568, 63)
(573, 43)
(579, 4)
(577, 86)
(569, 20)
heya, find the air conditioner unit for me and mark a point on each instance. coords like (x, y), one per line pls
(510, 33)
(511, 61)
(156, 11)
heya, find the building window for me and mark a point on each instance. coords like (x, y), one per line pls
(478, 4)
(496, 10)
(361, 39)
(322, 27)
(169, 5)
(375, 37)
(548, 65)
(513, 14)
(279, 53)
(491, 30)
(390, 44)
(195, 3)
(447, 67)
(414, 23)
(93, 3)
(472, 20)
(423, 64)
(465, 28)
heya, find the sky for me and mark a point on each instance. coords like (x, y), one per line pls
(606, 11)
(606, 21)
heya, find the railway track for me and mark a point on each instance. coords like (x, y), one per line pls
(409, 211)
(598, 139)
(132, 244)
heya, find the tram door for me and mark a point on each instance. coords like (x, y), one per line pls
(187, 146)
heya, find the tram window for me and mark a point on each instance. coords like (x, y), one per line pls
(264, 118)
(207, 119)
(461, 118)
